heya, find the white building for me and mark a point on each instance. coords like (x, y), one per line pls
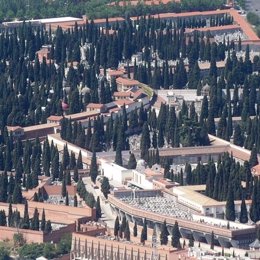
(115, 172)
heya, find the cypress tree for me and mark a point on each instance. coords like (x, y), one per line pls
(132, 162)
(116, 227)
(253, 161)
(120, 232)
(127, 232)
(75, 201)
(230, 205)
(238, 136)
(48, 227)
(254, 216)
(79, 161)
(191, 241)
(164, 234)
(212, 240)
(67, 199)
(188, 174)
(63, 188)
(118, 158)
(105, 187)
(135, 230)
(17, 195)
(145, 141)
(243, 218)
(211, 122)
(10, 214)
(98, 209)
(176, 235)
(35, 224)
(43, 221)
(93, 168)
(204, 109)
(26, 219)
(123, 224)
(2, 218)
(76, 174)
(144, 232)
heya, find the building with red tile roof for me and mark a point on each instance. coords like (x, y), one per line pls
(124, 84)
(94, 107)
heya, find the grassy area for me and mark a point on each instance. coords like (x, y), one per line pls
(147, 90)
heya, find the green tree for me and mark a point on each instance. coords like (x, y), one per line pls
(176, 235)
(2, 218)
(4, 253)
(238, 136)
(64, 246)
(76, 174)
(116, 227)
(118, 158)
(48, 227)
(135, 230)
(164, 234)
(243, 218)
(145, 141)
(35, 224)
(132, 161)
(105, 187)
(212, 240)
(98, 209)
(67, 199)
(93, 168)
(63, 188)
(43, 221)
(230, 206)
(191, 241)
(17, 194)
(253, 161)
(75, 201)
(26, 218)
(144, 232)
(127, 232)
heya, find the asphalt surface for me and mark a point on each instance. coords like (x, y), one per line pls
(107, 214)
(253, 6)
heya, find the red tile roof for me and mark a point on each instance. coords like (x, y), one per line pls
(95, 106)
(110, 20)
(186, 14)
(54, 118)
(127, 82)
(246, 27)
(55, 190)
(122, 102)
(14, 128)
(123, 94)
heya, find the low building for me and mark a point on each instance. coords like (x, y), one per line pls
(54, 119)
(114, 74)
(123, 95)
(100, 108)
(115, 172)
(16, 131)
(85, 246)
(193, 197)
(156, 206)
(124, 84)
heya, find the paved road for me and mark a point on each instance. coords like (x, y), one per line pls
(253, 6)
(107, 214)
